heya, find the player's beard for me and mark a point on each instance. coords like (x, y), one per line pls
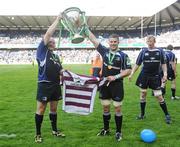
(114, 47)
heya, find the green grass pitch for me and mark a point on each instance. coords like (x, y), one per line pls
(18, 85)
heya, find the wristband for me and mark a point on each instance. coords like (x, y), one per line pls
(118, 76)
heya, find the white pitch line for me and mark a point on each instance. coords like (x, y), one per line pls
(7, 136)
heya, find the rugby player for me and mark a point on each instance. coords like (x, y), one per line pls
(171, 72)
(153, 59)
(116, 66)
(48, 90)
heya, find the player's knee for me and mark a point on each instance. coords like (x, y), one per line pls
(142, 99)
(157, 93)
(160, 99)
(143, 93)
(106, 109)
(41, 107)
(117, 104)
(118, 109)
(105, 102)
(173, 86)
(53, 109)
(40, 110)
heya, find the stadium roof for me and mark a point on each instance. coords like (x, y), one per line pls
(106, 15)
(91, 7)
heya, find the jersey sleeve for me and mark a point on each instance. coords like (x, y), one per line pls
(126, 62)
(102, 49)
(41, 51)
(163, 57)
(139, 59)
(173, 57)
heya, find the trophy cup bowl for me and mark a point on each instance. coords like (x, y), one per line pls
(73, 20)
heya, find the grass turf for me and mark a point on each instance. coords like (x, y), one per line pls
(18, 105)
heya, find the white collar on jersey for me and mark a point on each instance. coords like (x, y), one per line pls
(114, 52)
(153, 49)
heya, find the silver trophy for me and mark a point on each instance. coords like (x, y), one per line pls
(74, 20)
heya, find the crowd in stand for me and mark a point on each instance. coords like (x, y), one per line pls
(29, 56)
(66, 56)
(167, 36)
(17, 57)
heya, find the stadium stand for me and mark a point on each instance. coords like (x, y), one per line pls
(19, 47)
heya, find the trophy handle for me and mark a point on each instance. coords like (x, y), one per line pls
(84, 18)
(65, 23)
(60, 31)
(84, 24)
(72, 8)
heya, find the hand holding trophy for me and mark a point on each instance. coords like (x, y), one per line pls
(74, 20)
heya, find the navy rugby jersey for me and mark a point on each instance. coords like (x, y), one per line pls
(48, 63)
(151, 60)
(170, 57)
(113, 63)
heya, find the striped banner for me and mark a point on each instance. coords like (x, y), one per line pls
(79, 92)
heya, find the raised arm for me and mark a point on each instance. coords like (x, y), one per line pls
(92, 37)
(51, 29)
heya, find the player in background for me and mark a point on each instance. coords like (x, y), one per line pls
(171, 72)
(153, 59)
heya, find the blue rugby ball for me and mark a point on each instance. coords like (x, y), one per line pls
(148, 135)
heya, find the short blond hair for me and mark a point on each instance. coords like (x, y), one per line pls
(151, 36)
(114, 36)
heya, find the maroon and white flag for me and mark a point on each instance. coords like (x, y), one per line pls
(79, 92)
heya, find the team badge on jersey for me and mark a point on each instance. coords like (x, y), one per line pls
(157, 53)
(146, 54)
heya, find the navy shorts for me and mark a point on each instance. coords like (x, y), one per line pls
(114, 91)
(47, 91)
(152, 82)
(170, 74)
